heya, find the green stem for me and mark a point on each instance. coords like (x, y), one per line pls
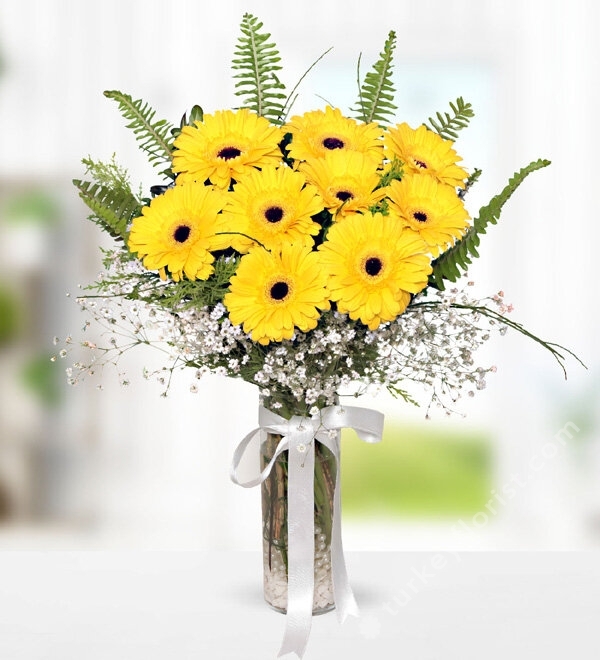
(555, 349)
(275, 494)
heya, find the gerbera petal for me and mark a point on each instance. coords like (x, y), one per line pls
(177, 231)
(431, 209)
(270, 290)
(346, 180)
(271, 207)
(370, 262)
(423, 151)
(224, 146)
(318, 132)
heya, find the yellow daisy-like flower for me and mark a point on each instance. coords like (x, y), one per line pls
(431, 209)
(318, 132)
(272, 293)
(224, 146)
(374, 265)
(346, 181)
(423, 151)
(272, 206)
(177, 231)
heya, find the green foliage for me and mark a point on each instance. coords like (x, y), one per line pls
(169, 294)
(399, 393)
(473, 178)
(107, 174)
(196, 114)
(109, 197)
(187, 294)
(448, 125)
(376, 94)
(393, 172)
(257, 60)
(111, 209)
(449, 265)
(154, 137)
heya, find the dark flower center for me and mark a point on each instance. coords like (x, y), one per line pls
(373, 266)
(421, 164)
(182, 233)
(333, 143)
(274, 214)
(344, 195)
(420, 216)
(279, 290)
(227, 153)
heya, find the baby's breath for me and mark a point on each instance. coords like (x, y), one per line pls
(432, 345)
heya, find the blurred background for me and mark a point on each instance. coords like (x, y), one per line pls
(125, 468)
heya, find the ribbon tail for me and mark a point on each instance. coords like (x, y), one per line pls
(301, 540)
(299, 436)
(345, 603)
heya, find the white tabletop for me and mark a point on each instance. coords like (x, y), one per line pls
(189, 606)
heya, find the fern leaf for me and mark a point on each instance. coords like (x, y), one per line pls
(471, 181)
(154, 137)
(447, 126)
(448, 266)
(257, 60)
(112, 209)
(376, 94)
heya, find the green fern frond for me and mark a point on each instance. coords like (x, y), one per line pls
(112, 208)
(376, 94)
(257, 59)
(448, 126)
(471, 181)
(154, 137)
(449, 265)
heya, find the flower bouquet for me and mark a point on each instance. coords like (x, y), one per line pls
(310, 255)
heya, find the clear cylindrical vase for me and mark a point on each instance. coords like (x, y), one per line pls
(274, 491)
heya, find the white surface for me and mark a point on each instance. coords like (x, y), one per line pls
(186, 605)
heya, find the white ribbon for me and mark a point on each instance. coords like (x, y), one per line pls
(297, 435)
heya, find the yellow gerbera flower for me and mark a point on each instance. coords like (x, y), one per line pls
(431, 209)
(374, 265)
(224, 146)
(423, 151)
(177, 231)
(318, 132)
(272, 206)
(346, 181)
(272, 293)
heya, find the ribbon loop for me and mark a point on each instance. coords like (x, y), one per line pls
(298, 437)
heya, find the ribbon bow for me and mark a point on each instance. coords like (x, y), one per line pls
(297, 436)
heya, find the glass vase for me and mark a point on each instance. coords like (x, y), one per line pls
(274, 491)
